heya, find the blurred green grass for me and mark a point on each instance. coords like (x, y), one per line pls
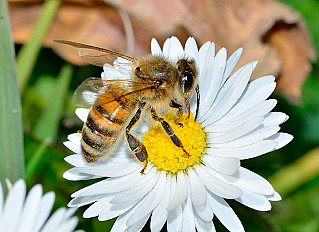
(47, 117)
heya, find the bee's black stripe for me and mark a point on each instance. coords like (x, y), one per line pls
(107, 115)
(122, 104)
(90, 158)
(95, 140)
(102, 130)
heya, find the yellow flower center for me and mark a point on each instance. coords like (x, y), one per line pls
(165, 155)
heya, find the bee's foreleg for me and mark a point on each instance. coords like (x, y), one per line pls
(169, 130)
(179, 113)
(135, 145)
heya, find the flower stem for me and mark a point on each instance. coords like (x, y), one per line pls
(296, 174)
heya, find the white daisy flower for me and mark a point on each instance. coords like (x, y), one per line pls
(234, 124)
(30, 214)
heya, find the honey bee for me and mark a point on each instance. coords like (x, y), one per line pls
(156, 84)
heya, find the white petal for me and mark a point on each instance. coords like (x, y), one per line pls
(13, 206)
(175, 219)
(155, 48)
(231, 63)
(191, 49)
(188, 216)
(251, 181)
(246, 104)
(159, 215)
(96, 208)
(235, 133)
(216, 78)
(150, 201)
(113, 73)
(208, 117)
(254, 200)
(202, 54)
(137, 192)
(225, 214)
(73, 174)
(46, 205)
(69, 225)
(258, 83)
(205, 212)
(76, 160)
(180, 192)
(109, 171)
(282, 139)
(225, 165)
(114, 210)
(198, 190)
(80, 201)
(113, 185)
(1, 201)
(176, 50)
(72, 147)
(275, 118)
(224, 102)
(216, 185)
(54, 221)
(206, 79)
(82, 113)
(166, 47)
(274, 197)
(120, 223)
(139, 225)
(222, 95)
(259, 110)
(245, 152)
(258, 134)
(203, 226)
(75, 138)
(30, 209)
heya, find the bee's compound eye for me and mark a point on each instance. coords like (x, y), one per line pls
(187, 81)
(139, 73)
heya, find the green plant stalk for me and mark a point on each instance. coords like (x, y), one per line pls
(48, 124)
(29, 52)
(11, 129)
(296, 174)
(36, 158)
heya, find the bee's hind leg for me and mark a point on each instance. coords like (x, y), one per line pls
(135, 145)
(169, 130)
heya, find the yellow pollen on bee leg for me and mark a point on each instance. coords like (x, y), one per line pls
(165, 155)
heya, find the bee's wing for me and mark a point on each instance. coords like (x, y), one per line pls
(96, 91)
(95, 55)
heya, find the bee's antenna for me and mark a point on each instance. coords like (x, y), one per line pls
(198, 100)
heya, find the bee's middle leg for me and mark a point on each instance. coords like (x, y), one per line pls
(169, 130)
(135, 145)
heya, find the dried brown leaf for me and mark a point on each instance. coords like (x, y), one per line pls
(269, 31)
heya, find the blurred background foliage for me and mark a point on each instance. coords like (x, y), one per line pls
(48, 117)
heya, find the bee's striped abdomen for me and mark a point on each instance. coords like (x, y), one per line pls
(103, 127)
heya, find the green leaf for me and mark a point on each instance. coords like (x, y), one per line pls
(11, 132)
